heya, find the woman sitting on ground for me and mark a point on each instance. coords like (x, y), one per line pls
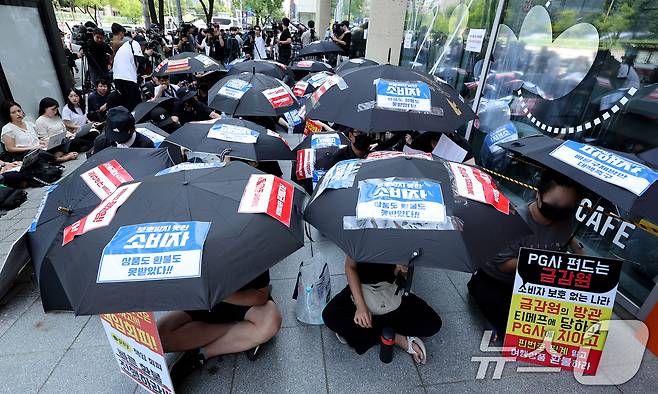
(73, 113)
(50, 124)
(18, 136)
(360, 323)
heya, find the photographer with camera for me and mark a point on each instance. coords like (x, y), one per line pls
(343, 38)
(98, 54)
(213, 45)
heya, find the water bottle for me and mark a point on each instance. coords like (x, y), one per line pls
(387, 344)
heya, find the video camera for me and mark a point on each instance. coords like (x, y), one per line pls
(82, 34)
(337, 29)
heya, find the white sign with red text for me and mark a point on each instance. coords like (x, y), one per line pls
(476, 185)
(278, 97)
(268, 194)
(105, 178)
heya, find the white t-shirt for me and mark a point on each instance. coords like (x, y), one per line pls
(22, 138)
(171, 92)
(125, 67)
(259, 49)
(78, 118)
(47, 127)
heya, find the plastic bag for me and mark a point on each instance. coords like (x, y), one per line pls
(312, 292)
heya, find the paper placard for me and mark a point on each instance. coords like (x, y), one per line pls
(234, 88)
(305, 163)
(475, 40)
(300, 88)
(392, 154)
(270, 195)
(206, 61)
(233, 133)
(189, 166)
(403, 96)
(153, 136)
(476, 185)
(104, 179)
(447, 149)
(154, 251)
(178, 65)
(278, 97)
(319, 141)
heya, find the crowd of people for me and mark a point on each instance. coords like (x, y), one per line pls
(121, 74)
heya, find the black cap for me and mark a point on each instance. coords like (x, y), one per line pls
(120, 124)
(160, 117)
(185, 94)
(140, 39)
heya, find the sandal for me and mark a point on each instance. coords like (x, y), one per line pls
(421, 345)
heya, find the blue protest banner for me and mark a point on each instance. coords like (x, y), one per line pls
(403, 96)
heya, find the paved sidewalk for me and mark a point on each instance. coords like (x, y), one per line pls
(61, 353)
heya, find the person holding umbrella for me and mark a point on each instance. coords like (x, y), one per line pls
(242, 322)
(550, 218)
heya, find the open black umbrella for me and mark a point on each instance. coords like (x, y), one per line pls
(243, 139)
(310, 83)
(187, 63)
(176, 241)
(322, 139)
(314, 160)
(382, 210)
(614, 176)
(266, 67)
(317, 48)
(311, 66)
(75, 196)
(388, 98)
(249, 94)
(355, 63)
(143, 109)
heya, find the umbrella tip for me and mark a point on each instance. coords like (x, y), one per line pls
(389, 56)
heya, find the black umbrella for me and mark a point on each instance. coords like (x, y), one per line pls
(319, 48)
(355, 63)
(244, 140)
(152, 132)
(323, 145)
(389, 98)
(186, 63)
(310, 83)
(142, 110)
(322, 139)
(150, 255)
(544, 150)
(455, 234)
(311, 66)
(249, 94)
(266, 67)
(72, 198)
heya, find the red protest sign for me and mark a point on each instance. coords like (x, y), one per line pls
(476, 185)
(278, 97)
(268, 194)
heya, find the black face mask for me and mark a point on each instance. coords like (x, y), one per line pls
(554, 212)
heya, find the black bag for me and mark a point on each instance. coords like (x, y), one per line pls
(43, 174)
(11, 198)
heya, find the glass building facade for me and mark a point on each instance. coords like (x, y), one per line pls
(571, 69)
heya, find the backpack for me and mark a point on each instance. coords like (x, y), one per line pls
(43, 174)
(11, 198)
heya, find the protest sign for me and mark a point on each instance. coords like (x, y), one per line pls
(233, 133)
(397, 199)
(153, 136)
(317, 175)
(105, 178)
(42, 204)
(268, 194)
(391, 154)
(154, 251)
(300, 88)
(205, 60)
(189, 166)
(278, 97)
(305, 163)
(447, 149)
(476, 185)
(607, 166)
(178, 65)
(502, 134)
(234, 88)
(318, 79)
(319, 141)
(340, 176)
(311, 127)
(403, 96)
(100, 216)
(557, 302)
(136, 346)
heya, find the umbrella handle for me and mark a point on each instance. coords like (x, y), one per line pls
(410, 273)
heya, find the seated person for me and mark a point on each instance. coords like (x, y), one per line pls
(50, 124)
(10, 177)
(550, 217)
(353, 320)
(120, 132)
(358, 149)
(164, 88)
(189, 109)
(96, 99)
(19, 135)
(395, 141)
(161, 118)
(242, 322)
(73, 113)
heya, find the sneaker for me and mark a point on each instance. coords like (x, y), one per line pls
(185, 364)
(341, 339)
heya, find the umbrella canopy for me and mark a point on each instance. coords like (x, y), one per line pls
(244, 140)
(74, 197)
(312, 66)
(249, 94)
(451, 231)
(310, 83)
(176, 241)
(267, 67)
(389, 98)
(152, 132)
(315, 159)
(319, 48)
(187, 63)
(320, 140)
(355, 63)
(635, 191)
(143, 109)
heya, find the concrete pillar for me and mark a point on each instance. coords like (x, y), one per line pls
(385, 30)
(322, 16)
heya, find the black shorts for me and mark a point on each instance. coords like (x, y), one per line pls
(222, 313)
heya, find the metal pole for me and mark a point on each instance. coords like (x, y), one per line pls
(179, 9)
(349, 11)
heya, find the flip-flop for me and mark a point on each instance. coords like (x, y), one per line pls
(421, 345)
